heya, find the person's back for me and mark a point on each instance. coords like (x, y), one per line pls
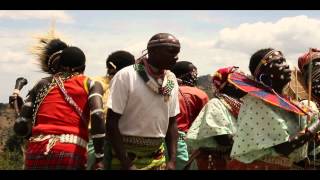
(59, 108)
(114, 63)
(191, 101)
(54, 109)
(210, 135)
(191, 98)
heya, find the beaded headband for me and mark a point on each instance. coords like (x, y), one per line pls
(53, 58)
(170, 41)
(270, 56)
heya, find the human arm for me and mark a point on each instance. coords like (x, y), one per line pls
(97, 121)
(23, 123)
(115, 137)
(15, 100)
(299, 139)
(171, 142)
(224, 140)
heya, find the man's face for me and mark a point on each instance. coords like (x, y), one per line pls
(164, 57)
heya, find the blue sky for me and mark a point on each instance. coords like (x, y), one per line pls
(209, 39)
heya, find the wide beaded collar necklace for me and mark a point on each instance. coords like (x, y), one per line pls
(162, 85)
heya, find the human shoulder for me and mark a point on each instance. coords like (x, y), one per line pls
(126, 72)
(43, 81)
(100, 78)
(193, 89)
(215, 103)
(196, 93)
(201, 94)
(39, 85)
(127, 69)
(103, 80)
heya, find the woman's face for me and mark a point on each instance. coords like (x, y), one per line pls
(277, 72)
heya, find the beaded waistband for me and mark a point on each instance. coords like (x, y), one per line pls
(142, 141)
(63, 138)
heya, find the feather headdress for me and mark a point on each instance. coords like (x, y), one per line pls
(47, 50)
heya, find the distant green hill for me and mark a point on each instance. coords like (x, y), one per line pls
(204, 83)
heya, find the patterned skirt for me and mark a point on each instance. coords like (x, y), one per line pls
(62, 156)
(145, 153)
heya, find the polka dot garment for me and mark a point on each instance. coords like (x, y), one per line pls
(213, 120)
(262, 126)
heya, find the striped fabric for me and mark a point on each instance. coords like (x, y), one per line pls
(61, 156)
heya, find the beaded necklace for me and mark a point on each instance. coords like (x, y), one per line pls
(163, 85)
(232, 104)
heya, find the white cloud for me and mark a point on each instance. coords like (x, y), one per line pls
(205, 17)
(60, 16)
(208, 51)
(290, 34)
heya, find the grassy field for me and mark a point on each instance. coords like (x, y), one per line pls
(11, 160)
(11, 157)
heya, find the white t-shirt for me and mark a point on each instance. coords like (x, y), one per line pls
(144, 112)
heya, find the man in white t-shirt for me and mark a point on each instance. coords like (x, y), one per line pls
(142, 106)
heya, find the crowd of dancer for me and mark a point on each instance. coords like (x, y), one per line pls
(147, 113)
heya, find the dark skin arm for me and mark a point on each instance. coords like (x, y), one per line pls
(97, 122)
(296, 142)
(23, 124)
(171, 142)
(15, 100)
(299, 139)
(224, 140)
(115, 137)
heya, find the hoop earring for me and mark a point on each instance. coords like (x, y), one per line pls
(261, 79)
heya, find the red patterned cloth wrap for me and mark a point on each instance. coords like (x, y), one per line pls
(63, 156)
(220, 77)
(191, 101)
